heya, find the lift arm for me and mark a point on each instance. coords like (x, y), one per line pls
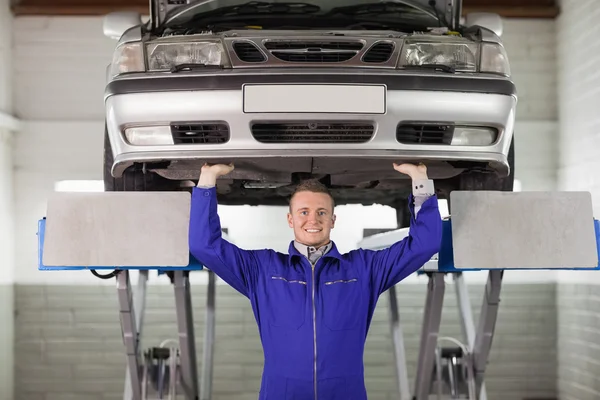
(494, 231)
(121, 232)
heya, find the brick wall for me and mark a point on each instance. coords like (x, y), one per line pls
(578, 350)
(578, 41)
(578, 293)
(530, 45)
(69, 345)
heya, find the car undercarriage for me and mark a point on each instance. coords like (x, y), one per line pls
(180, 94)
(271, 180)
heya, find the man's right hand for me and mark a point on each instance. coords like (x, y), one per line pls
(210, 173)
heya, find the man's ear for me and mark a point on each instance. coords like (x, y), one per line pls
(333, 217)
(290, 220)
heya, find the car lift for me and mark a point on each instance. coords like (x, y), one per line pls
(149, 231)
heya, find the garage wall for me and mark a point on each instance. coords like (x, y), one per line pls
(578, 293)
(6, 207)
(532, 52)
(5, 58)
(6, 266)
(68, 342)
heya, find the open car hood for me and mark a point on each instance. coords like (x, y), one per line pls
(163, 11)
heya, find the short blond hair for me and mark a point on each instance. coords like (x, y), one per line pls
(314, 186)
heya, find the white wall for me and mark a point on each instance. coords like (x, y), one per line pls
(530, 45)
(5, 57)
(579, 92)
(60, 65)
(7, 262)
(7, 123)
(6, 145)
(7, 242)
(59, 80)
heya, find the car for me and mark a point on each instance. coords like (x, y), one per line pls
(330, 90)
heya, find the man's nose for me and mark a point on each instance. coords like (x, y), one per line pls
(313, 217)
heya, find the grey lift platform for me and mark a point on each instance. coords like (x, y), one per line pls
(148, 231)
(120, 232)
(494, 232)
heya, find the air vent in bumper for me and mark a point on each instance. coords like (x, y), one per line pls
(424, 133)
(380, 52)
(248, 52)
(200, 133)
(314, 51)
(313, 132)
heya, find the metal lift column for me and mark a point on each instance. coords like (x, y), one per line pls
(478, 238)
(185, 330)
(84, 231)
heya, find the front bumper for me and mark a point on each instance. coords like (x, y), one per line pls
(149, 101)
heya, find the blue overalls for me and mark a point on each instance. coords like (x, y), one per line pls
(312, 319)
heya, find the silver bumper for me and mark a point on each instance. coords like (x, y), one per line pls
(160, 107)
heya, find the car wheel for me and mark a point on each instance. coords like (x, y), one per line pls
(477, 180)
(135, 178)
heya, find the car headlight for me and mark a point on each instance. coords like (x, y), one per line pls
(461, 56)
(127, 57)
(164, 56)
(494, 59)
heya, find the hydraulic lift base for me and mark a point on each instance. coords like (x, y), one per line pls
(495, 231)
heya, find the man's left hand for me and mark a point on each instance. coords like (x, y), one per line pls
(416, 172)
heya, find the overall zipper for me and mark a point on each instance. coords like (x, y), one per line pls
(314, 310)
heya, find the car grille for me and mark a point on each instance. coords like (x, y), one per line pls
(379, 53)
(200, 133)
(424, 133)
(314, 51)
(313, 132)
(248, 52)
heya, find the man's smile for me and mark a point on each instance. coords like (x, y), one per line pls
(313, 230)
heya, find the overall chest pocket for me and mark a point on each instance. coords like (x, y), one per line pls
(287, 295)
(342, 301)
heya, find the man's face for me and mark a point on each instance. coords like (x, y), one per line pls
(311, 216)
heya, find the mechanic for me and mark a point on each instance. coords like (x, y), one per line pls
(314, 305)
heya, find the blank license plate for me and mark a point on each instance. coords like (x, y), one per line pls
(355, 99)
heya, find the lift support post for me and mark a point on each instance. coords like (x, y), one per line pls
(492, 231)
(87, 231)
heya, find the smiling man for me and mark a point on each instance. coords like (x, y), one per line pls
(311, 216)
(313, 306)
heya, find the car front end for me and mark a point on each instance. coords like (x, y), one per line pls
(279, 103)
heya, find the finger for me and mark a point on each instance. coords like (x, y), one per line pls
(404, 168)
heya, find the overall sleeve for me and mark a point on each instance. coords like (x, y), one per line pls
(235, 266)
(389, 266)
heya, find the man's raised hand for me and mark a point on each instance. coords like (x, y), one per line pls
(217, 169)
(210, 173)
(416, 172)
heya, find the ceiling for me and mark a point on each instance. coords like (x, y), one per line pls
(506, 8)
